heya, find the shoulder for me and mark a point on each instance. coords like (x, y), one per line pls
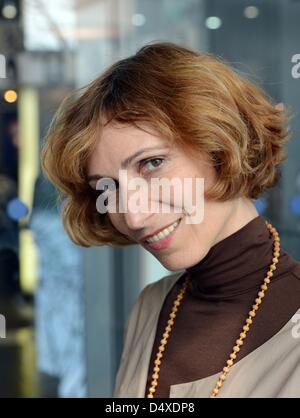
(141, 321)
(296, 271)
(147, 303)
(152, 296)
(159, 289)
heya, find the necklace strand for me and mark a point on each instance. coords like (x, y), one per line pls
(239, 342)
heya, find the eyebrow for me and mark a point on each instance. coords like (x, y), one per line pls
(127, 161)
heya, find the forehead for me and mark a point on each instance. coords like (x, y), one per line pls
(128, 134)
(116, 141)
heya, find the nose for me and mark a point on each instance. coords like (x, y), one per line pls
(136, 221)
(136, 215)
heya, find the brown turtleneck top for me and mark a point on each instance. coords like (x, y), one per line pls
(223, 287)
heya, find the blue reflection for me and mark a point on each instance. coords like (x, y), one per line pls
(260, 205)
(295, 204)
(16, 209)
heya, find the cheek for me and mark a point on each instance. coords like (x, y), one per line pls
(118, 223)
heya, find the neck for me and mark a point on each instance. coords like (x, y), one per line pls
(235, 264)
(243, 212)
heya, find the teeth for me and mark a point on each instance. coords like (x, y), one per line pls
(162, 234)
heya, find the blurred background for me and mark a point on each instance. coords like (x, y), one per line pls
(63, 308)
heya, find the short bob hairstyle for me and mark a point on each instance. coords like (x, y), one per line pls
(193, 99)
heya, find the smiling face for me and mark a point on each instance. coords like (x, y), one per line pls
(152, 157)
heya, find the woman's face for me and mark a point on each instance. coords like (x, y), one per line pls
(188, 243)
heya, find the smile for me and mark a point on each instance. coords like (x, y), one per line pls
(163, 234)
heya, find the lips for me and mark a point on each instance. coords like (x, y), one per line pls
(158, 231)
(164, 242)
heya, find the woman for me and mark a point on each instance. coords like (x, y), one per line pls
(224, 326)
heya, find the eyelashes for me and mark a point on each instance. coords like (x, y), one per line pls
(143, 163)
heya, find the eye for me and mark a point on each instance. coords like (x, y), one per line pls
(151, 164)
(106, 189)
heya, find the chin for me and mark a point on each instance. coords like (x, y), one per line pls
(172, 265)
(180, 263)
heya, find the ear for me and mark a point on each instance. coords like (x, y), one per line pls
(279, 106)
